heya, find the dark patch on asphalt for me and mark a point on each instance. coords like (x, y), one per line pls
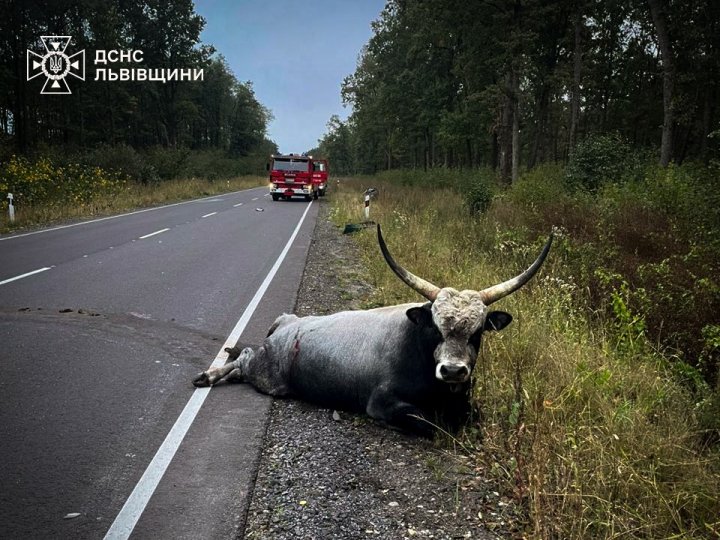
(171, 337)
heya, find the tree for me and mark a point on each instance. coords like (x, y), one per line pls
(658, 11)
(217, 112)
(578, 27)
(518, 82)
(336, 145)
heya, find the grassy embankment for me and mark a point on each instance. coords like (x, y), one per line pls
(600, 403)
(46, 191)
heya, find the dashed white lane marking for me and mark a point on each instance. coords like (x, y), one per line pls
(117, 216)
(266, 195)
(130, 513)
(25, 275)
(255, 198)
(238, 204)
(210, 214)
(154, 233)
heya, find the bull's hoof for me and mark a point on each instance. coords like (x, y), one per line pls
(202, 380)
(233, 353)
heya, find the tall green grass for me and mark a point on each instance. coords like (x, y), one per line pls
(583, 418)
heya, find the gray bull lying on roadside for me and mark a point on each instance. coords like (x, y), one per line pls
(403, 364)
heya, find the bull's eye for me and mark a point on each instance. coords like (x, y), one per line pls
(475, 339)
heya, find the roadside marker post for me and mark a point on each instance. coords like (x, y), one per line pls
(355, 227)
(11, 208)
(369, 194)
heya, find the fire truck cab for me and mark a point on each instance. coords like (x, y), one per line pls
(292, 176)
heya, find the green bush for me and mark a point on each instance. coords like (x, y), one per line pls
(219, 165)
(540, 185)
(479, 193)
(123, 159)
(160, 163)
(600, 159)
(170, 163)
(43, 181)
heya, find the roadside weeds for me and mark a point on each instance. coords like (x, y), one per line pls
(132, 197)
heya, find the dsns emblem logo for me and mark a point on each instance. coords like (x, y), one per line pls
(55, 65)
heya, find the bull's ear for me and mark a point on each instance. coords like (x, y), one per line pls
(497, 320)
(421, 316)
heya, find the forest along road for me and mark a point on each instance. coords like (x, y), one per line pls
(103, 325)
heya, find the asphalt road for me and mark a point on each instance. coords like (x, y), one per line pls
(98, 348)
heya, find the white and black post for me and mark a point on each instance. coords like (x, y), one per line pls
(369, 194)
(11, 208)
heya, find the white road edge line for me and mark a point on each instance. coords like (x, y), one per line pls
(153, 234)
(25, 275)
(210, 214)
(122, 215)
(130, 513)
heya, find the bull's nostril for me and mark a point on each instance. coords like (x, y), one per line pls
(453, 372)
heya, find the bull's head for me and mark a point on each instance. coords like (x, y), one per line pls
(460, 316)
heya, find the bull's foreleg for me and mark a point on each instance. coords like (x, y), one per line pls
(232, 371)
(387, 407)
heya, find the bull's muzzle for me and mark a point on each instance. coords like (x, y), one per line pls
(452, 373)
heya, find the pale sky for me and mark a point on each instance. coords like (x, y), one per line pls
(296, 53)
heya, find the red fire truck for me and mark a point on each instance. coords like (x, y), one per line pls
(292, 176)
(320, 175)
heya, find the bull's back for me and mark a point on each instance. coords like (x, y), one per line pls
(339, 360)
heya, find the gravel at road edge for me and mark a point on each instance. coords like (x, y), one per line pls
(327, 474)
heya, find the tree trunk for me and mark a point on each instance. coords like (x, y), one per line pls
(577, 71)
(541, 115)
(433, 156)
(505, 132)
(495, 154)
(510, 129)
(659, 17)
(389, 156)
(509, 136)
(426, 153)
(20, 109)
(515, 127)
(706, 124)
(505, 143)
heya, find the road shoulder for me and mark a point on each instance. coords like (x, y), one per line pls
(325, 474)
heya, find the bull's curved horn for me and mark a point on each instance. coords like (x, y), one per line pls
(427, 289)
(496, 292)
